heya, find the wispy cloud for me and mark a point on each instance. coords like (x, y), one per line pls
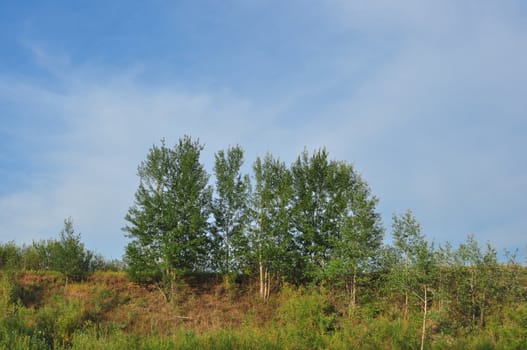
(426, 99)
(437, 125)
(109, 124)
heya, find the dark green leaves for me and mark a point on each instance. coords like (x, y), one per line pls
(168, 223)
(68, 254)
(309, 222)
(231, 211)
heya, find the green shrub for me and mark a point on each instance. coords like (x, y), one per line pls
(100, 301)
(12, 321)
(56, 323)
(513, 333)
(10, 256)
(305, 320)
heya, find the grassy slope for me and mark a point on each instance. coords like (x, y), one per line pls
(203, 303)
(108, 311)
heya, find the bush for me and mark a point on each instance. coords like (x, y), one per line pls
(513, 334)
(10, 256)
(56, 323)
(306, 319)
(13, 329)
(69, 256)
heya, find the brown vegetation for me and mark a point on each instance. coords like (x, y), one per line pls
(203, 302)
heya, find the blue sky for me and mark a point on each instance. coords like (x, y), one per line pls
(426, 99)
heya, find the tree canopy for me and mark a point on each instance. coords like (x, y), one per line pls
(168, 223)
(313, 221)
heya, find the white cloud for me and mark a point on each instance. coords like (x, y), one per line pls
(437, 125)
(432, 113)
(110, 123)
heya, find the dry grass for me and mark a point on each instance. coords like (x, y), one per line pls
(203, 303)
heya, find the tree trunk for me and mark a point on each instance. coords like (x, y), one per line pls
(441, 288)
(425, 309)
(482, 312)
(168, 288)
(66, 285)
(265, 282)
(473, 296)
(261, 269)
(267, 285)
(162, 291)
(405, 313)
(352, 290)
(405, 305)
(172, 287)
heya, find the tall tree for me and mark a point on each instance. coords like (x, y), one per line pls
(168, 223)
(231, 210)
(425, 274)
(408, 241)
(469, 258)
(271, 241)
(318, 205)
(479, 280)
(416, 273)
(359, 233)
(445, 258)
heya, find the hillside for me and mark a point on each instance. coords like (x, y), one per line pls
(203, 303)
(107, 311)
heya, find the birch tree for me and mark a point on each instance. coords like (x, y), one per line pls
(168, 223)
(417, 272)
(230, 210)
(359, 234)
(319, 203)
(271, 240)
(408, 240)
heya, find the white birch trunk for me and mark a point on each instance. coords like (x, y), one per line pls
(425, 309)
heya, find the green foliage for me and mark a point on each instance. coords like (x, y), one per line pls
(93, 338)
(56, 323)
(99, 263)
(12, 326)
(357, 243)
(271, 240)
(480, 284)
(30, 259)
(42, 255)
(7, 291)
(334, 219)
(319, 202)
(168, 223)
(417, 266)
(231, 211)
(10, 256)
(306, 319)
(180, 340)
(68, 254)
(514, 331)
(303, 319)
(313, 225)
(101, 301)
(379, 333)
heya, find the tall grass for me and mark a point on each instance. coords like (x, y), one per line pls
(301, 319)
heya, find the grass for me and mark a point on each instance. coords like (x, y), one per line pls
(109, 312)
